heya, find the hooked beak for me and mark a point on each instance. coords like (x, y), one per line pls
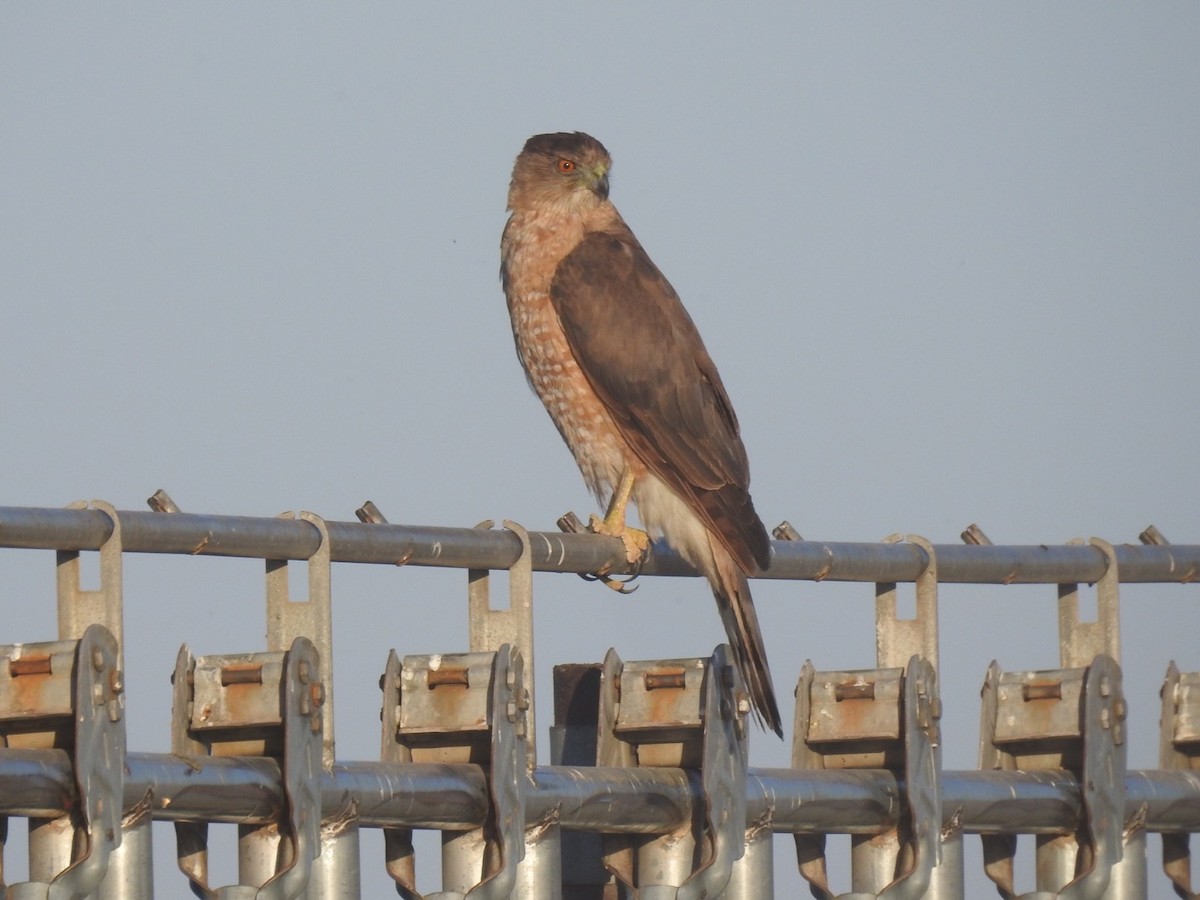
(600, 183)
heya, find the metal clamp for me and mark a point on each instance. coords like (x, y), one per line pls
(1179, 750)
(882, 718)
(68, 695)
(683, 713)
(469, 707)
(255, 704)
(1070, 719)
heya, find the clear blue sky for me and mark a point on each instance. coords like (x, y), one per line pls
(946, 257)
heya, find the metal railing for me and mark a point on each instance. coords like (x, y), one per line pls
(648, 788)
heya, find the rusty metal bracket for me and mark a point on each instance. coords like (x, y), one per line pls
(490, 629)
(79, 608)
(688, 713)
(255, 704)
(310, 617)
(69, 695)
(882, 718)
(1179, 751)
(1080, 641)
(896, 639)
(1061, 719)
(459, 708)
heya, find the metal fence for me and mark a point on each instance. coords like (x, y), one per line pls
(648, 792)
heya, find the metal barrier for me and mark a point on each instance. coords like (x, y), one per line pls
(649, 791)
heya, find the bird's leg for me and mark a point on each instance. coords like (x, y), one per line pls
(636, 541)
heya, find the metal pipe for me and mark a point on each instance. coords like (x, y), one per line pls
(336, 873)
(130, 874)
(753, 876)
(272, 538)
(948, 881)
(633, 801)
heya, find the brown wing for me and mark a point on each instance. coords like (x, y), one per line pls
(642, 354)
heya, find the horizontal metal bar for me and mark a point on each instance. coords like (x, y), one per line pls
(272, 538)
(643, 801)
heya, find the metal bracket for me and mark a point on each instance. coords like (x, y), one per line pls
(255, 704)
(1079, 642)
(683, 713)
(490, 629)
(882, 718)
(68, 695)
(469, 707)
(897, 640)
(310, 617)
(1179, 750)
(1069, 719)
(77, 608)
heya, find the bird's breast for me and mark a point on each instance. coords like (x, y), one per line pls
(531, 253)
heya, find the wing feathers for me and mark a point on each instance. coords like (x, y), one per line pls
(641, 352)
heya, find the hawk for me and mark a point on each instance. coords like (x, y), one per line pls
(615, 358)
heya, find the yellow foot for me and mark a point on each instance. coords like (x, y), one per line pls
(636, 541)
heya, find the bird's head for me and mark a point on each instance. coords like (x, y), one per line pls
(561, 169)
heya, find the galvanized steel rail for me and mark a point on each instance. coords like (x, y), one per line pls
(417, 545)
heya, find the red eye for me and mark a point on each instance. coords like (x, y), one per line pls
(566, 166)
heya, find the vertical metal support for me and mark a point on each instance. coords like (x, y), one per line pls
(68, 695)
(131, 865)
(1179, 751)
(310, 617)
(875, 860)
(573, 743)
(78, 609)
(255, 704)
(680, 713)
(753, 876)
(337, 866)
(490, 629)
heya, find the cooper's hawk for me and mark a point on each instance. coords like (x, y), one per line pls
(621, 368)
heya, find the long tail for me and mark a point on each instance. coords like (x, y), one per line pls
(736, 606)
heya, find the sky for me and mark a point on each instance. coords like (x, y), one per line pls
(944, 255)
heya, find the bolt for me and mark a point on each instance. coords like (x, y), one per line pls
(523, 700)
(1105, 686)
(1105, 718)
(1119, 709)
(116, 683)
(743, 704)
(1119, 735)
(302, 670)
(510, 679)
(314, 724)
(317, 692)
(114, 710)
(97, 659)
(510, 710)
